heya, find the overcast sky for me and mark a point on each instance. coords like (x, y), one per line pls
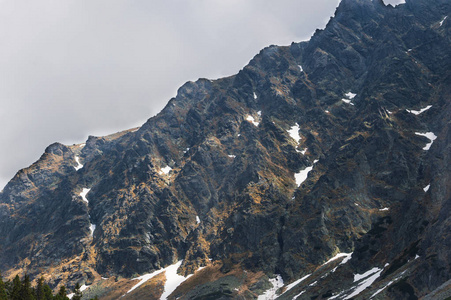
(73, 68)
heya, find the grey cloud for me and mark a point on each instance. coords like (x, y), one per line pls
(73, 68)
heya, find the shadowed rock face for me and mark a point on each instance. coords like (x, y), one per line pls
(212, 176)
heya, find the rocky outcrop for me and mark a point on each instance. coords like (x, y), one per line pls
(339, 144)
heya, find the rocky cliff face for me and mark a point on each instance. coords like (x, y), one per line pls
(338, 145)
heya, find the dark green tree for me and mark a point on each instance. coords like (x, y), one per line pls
(48, 293)
(16, 289)
(3, 295)
(39, 290)
(62, 294)
(77, 293)
(26, 292)
(95, 298)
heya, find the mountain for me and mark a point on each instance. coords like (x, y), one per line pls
(320, 171)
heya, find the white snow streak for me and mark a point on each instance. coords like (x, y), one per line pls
(384, 209)
(426, 188)
(417, 112)
(165, 170)
(358, 277)
(302, 175)
(295, 283)
(259, 112)
(347, 257)
(270, 294)
(197, 220)
(347, 101)
(252, 120)
(144, 278)
(294, 132)
(376, 272)
(84, 193)
(430, 135)
(92, 227)
(298, 295)
(255, 95)
(441, 22)
(300, 67)
(231, 156)
(79, 165)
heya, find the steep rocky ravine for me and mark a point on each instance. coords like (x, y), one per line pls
(336, 145)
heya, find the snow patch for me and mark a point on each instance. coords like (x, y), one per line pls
(255, 95)
(417, 112)
(384, 209)
(302, 175)
(394, 2)
(231, 156)
(79, 165)
(426, 188)
(416, 256)
(92, 227)
(302, 151)
(186, 150)
(252, 120)
(197, 220)
(300, 68)
(347, 101)
(83, 194)
(259, 112)
(430, 135)
(441, 22)
(270, 294)
(84, 287)
(294, 132)
(165, 170)
(173, 280)
(326, 111)
(350, 95)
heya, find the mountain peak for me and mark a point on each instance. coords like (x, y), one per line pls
(320, 169)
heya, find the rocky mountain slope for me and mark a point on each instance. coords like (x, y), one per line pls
(320, 171)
